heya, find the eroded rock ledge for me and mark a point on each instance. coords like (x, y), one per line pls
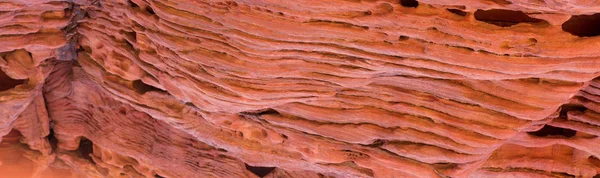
(271, 88)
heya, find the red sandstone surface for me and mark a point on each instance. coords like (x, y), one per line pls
(302, 88)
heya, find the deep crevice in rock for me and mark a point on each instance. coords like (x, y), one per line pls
(259, 112)
(583, 25)
(6, 82)
(409, 3)
(259, 171)
(564, 109)
(86, 147)
(403, 38)
(504, 18)
(549, 130)
(52, 140)
(150, 11)
(141, 87)
(457, 12)
(377, 143)
(132, 4)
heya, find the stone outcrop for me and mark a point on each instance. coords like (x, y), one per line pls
(305, 88)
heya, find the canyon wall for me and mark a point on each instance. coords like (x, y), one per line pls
(304, 88)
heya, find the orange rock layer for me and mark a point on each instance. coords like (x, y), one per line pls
(305, 88)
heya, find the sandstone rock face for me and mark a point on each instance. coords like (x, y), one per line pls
(305, 88)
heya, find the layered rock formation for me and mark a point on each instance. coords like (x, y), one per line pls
(271, 88)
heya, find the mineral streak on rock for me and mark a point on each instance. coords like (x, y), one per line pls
(305, 88)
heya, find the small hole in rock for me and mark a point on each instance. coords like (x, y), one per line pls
(548, 130)
(583, 25)
(86, 15)
(466, 48)
(123, 110)
(129, 45)
(150, 11)
(133, 4)
(52, 139)
(131, 35)
(259, 112)
(268, 111)
(86, 49)
(504, 18)
(403, 38)
(260, 171)
(457, 12)
(7, 83)
(533, 40)
(86, 147)
(377, 143)
(141, 87)
(409, 3)
(594, 161)
(232, 3)
(564, 109)
(158, 176)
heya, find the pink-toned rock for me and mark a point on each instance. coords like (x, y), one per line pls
(271, 88)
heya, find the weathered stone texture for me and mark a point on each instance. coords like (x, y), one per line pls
(311, 88)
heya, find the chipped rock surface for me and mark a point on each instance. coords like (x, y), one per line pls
(304, 88)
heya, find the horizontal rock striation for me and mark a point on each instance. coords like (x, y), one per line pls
(269, 88)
